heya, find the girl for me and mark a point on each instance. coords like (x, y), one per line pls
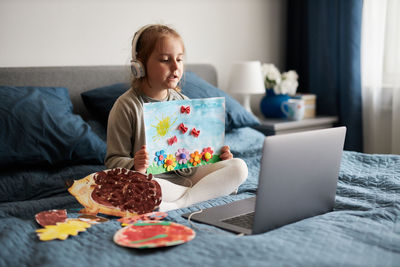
(157, 65)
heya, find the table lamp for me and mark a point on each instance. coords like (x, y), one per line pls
(246, 79)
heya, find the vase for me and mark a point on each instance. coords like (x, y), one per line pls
(271, 103)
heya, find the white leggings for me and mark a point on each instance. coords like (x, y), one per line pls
(209, 181)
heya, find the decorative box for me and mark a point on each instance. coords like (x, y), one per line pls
(310, 101)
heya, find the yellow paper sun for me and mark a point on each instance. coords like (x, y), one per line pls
(163, 127)
(62, 230)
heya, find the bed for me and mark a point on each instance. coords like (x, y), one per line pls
(362, 230)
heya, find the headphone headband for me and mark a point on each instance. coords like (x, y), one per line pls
(137, 67)
(136, 39)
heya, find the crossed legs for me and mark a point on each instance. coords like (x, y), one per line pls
(209, 181)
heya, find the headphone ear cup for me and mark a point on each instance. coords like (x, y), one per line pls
(137, 69)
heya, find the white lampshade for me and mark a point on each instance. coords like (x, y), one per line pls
(246, 78)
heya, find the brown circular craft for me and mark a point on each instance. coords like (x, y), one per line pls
(51, 217)
(92, 219)
(118, 192)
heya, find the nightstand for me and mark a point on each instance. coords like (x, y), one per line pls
(282, 126)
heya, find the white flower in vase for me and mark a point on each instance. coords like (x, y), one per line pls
(271, 74)
(290, 75)
(284, 86)
(288, 84)
(285, 83)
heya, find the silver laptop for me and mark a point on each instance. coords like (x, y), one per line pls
(298, 179)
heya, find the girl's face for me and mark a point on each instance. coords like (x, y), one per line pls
(165, 65)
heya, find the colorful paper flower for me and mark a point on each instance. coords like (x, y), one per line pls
(182, 155)
(62, 230)
(195, 158)
(207, 153)
(170, 162)
(160, 157)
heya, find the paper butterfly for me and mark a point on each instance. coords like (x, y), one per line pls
(195, 132)
(185, 109)
(182, 128)
(172, 140)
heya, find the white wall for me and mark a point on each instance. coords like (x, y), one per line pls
(99, 32)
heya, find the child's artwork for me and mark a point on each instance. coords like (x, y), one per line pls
(151, 216)
(62, 230)
(184, 133)
(51, 217)
(152, 234)
(117, 192)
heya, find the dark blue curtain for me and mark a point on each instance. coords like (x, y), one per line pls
(323, 46)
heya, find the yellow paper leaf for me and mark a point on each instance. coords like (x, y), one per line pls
(62, 230)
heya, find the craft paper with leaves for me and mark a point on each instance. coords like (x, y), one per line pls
(184, 133)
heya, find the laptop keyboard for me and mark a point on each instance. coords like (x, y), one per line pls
(245, 220)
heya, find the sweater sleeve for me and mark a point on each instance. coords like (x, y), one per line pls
(125, 133)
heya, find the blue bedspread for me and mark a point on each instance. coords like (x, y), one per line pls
(363, 229)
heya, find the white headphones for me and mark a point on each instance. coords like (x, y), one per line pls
(137, 67)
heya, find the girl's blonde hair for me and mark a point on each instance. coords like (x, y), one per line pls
(146, 44)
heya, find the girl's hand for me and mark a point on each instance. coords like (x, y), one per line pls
(141, 160)
(226, 153)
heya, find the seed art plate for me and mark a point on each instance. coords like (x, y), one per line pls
(152, 234)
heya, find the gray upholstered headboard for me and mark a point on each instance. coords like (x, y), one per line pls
(82, 78)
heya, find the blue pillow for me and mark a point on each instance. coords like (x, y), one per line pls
(38, 126)
(235, 116)
(99, 101)
(98, 129)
